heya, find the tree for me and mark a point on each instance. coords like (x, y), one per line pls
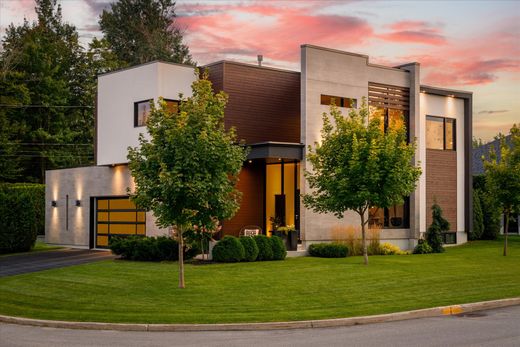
(503, 176)
(45, 59)
(478, 217)
(186, 173)
(358, 166)
(490, 211)
(140, 31)
(435, 230)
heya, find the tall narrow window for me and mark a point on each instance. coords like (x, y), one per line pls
(141, 113)
(440, 133)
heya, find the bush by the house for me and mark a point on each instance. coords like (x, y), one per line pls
(278, 246)
(351, 237)
(422, 248)
(478, 217)
(22, 214)
(438, 226)
(228, 250)
(141, 248)
(328, 250)
(390, 249)
(265, 250)
(250, 248)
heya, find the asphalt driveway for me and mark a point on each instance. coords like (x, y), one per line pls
(31, 262)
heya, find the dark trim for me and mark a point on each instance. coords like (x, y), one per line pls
(67, 212)
(136, 118)
(285, 150)
(96, 124)
(454, 130)
(91, 223)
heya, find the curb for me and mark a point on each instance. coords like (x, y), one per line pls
(308, 324)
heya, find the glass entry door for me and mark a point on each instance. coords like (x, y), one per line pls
(282, 188)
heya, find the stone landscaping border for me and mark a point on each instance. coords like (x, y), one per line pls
(325, 323)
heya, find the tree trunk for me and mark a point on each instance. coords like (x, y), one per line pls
(364, 238)
(506, 229)
(181, 256)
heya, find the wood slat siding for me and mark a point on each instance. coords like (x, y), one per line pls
(441, 184)
(264, 104)
(251, 211)
(386, 96)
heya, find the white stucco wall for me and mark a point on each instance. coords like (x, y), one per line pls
(449, 107)
(117, 93)
(331, 72)
(82, 184)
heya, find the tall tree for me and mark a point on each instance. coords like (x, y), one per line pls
(139, 31)
(46, 58)
(186, 173)
(358, 166)
(503, 176)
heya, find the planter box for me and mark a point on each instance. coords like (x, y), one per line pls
(290, 239)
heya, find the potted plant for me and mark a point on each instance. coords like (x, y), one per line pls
(290, 236)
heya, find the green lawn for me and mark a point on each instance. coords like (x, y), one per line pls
(39, 246)
(295, 289)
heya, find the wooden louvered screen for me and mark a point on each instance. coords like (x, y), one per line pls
(386, 96)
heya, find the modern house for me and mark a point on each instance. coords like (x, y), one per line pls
(278, 113)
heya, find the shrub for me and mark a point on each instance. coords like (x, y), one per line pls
(328, 250)
(351, 237)
(250, 248)
(19, 221)
(278, 246)
(478, 217)
(228, 250)
(422, 248)
(265, 250)
(490, 211)
(141, 248)
(434, 232)
(390, 249)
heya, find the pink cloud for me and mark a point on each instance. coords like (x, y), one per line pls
(414, 32)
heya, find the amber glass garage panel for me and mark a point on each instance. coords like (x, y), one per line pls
(123, 217)
(141, 216)
(450, 134)
(102, 216)
(122, 229)
(102, 241)
(102, 204)
(102, 229)
(122, 204)
(140, 229)
(434, 132)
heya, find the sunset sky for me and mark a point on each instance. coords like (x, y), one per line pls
(468, 45)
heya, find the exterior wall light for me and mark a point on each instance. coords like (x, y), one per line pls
(249, 161)
(78, 203)
(54, 203)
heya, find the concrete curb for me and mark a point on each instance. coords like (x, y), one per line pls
(325, 323)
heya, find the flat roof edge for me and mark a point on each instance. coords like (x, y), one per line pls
(145, 64)
(445, 91)
(250, 65)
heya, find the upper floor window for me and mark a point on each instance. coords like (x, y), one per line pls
(390, 118)
(440, 133)
(338, 101)
(142, 110)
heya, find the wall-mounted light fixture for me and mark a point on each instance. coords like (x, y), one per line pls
(249, 161)
(78, 203)
(451, 96)
(54, 203)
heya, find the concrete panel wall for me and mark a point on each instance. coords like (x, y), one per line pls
(117, 93)
(82, 184)
(331, 72)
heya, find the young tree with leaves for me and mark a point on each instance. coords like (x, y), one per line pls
(140, 31)
(186, 173)
(357, 166)
(503, 177)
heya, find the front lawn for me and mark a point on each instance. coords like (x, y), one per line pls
(295, 289)
(39, 246)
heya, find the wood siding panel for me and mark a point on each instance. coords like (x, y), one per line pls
(251, 212)
(264, 104)
(441, 184)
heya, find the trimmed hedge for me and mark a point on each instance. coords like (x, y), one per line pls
(278, 246)
(328, 250)
(250, 248)
(422, 248)
(141, 248)
(228, 250)
(22, 216)
(265, 249)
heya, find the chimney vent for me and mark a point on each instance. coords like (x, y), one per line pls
(260, 58)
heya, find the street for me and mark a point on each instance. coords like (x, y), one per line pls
(500, 327)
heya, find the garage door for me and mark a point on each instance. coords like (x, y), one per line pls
(117, 216)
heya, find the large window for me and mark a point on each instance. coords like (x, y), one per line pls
(142, 110)
(390, 118)
(395, 217)
(338, 101)
(440, 133)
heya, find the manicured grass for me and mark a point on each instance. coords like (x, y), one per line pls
(38, 247)
(295, 289)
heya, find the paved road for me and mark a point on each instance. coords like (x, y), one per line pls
(30, 262)
(499, 327)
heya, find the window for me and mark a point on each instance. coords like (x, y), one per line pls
(395, 217)
(141, 113)
(338, 101)
(142, 110)
(440, 133)
(390, 118)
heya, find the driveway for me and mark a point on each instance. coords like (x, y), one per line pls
(498, 327)
(31, 262)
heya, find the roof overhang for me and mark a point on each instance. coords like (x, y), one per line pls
(283, 150)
